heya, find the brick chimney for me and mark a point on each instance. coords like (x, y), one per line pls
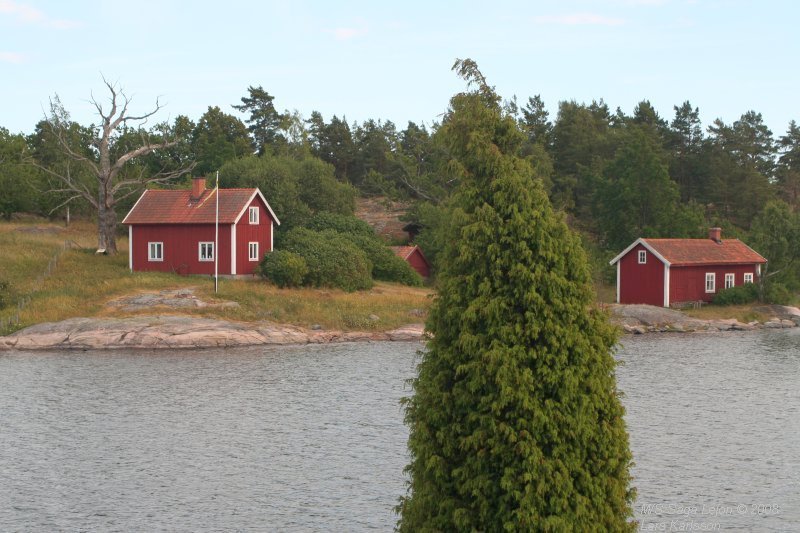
(198, 187)
(715, 234)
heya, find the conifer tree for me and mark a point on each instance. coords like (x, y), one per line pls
(515, 422)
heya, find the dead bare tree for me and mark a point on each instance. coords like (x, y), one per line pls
(106, 162)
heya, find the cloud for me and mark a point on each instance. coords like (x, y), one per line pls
(346, 34)
(646, 2)
(30, 15)
(11, 57)
(579, 19)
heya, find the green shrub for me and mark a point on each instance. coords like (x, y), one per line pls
(777, 293)
(346, 224)
(385, 265)
(283, 268)
(742, 294)
(332, 259)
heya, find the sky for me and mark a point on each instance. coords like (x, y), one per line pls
(392, 60)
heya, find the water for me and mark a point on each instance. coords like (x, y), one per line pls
(291, 439)
(312, 439)
(714, 424)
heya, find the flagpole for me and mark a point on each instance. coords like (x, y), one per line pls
(216, 240)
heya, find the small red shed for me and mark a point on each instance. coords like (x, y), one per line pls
(666, 272)
(414, 257)
(174, 230)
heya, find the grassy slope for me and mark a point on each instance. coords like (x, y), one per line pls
(83, 283)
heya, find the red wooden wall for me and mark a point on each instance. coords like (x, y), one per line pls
(688, 284)
(247, 233)
(418, 263)
(641, 284)
(181, 253)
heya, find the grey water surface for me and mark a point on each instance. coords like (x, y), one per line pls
(312, 438)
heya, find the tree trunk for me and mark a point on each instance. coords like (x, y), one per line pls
(106, 222)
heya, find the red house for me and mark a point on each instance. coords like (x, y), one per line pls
(174, 231)
(414, 257)
(666, 272)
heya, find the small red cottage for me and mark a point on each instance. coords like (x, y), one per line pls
(666, 272)
(173, 230)
(414, 257)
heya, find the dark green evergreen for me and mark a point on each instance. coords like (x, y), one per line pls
(516, 422)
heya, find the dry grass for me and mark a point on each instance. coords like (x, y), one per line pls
(83, 283)
(742, 313)
(605, 293)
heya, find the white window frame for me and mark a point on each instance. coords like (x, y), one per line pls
(642, 257)
(748, 277)
(711, 282)
(155, 246)
(730, 280)
(252, 214)
(209, 247)
(251, 248)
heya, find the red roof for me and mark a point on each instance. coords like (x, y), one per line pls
(403, 251)
(686, 252)
(178, 207)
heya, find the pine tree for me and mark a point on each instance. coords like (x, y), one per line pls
(515, 422)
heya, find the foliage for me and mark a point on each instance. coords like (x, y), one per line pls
(284, 269)
(777, 293)
(319, 189)
(738, 295)
(332, 259)
(17, 179)
(386, 266)
(636, 197)
(294, 188)
(776, 236)
(349, 225)
(515, 422)
(217, 139)
(265, 123)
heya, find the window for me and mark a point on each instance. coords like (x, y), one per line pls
(729, 280)
(642, 257)
(253, 251)
(253, 215)
(206, 251)
(748, 277)
(711, 282)
(155, 251)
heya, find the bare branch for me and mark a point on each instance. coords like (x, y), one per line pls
(138, 152)
(71, 185)
(162, 176)
(65, 202)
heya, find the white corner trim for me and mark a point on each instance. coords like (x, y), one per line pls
(666, 285)
(618, 279)
(130, 247)
(271, 235)
(233, 249)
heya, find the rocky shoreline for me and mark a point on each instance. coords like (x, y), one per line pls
(173, 332)
(178, 331)
(638, 319)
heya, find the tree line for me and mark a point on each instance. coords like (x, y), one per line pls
(615, 175)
